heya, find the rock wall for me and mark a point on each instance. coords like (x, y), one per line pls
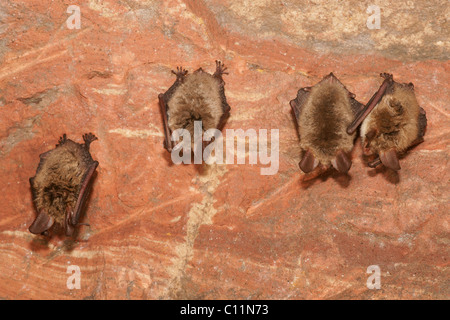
(164, 231)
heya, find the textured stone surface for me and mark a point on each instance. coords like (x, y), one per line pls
(163, 231)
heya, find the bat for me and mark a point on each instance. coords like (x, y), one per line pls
(194, 97)
(62, 184)
(323, 113)
(391, 123)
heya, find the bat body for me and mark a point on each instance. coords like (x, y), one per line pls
(194, 97)
(391, 122)
(323, 113)
(62, 184)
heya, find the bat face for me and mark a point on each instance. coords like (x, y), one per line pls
(61, 184)
(323, 114)
(199, 96)
(391, 122)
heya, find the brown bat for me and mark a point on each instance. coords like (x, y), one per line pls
(194, 97)
(62, 184)
(323, 113)
(391, 122)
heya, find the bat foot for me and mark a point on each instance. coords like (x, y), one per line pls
(180, 73)
(88, 138)
(387, 76)
(220, 69)
(62, 140)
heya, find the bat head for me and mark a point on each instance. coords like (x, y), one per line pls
(389, 122)
(382, 131)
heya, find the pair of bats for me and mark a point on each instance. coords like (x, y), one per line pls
(327, 115)
(64, 176)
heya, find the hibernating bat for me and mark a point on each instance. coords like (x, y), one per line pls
(194, 97)
(61, 185)
(391, 122)
(323, 113)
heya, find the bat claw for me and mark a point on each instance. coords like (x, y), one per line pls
(180, 73)
(387, 76)
(62, 140)
(88, 138)
(220, 69)
(411, 85)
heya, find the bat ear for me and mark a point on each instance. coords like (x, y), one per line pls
(308, 162)
(390, 159)
(42, 223)
(342, 162)
(68, 227)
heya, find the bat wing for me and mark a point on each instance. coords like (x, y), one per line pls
(73, 215)
(220, 70)
(163, 98)
(298, 103)
(362, 113)
(356, 106)
(225, 108)
(422, 123)
(223, 119)
(163, 108)
(422, 127)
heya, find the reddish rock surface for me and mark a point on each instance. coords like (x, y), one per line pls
(162, 231)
